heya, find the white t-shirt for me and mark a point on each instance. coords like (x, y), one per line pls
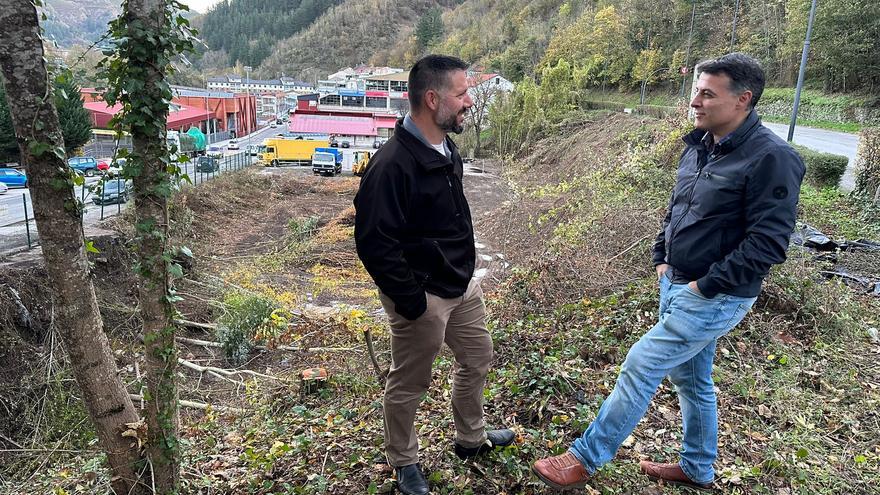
(441, 148)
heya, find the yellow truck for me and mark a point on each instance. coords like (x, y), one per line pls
(290, 151)
(361, 159)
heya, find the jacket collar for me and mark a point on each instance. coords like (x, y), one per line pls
(426, 156)
(699, 137)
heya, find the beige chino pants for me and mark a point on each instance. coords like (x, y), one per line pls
(461, 323)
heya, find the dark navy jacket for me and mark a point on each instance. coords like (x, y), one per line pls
(732, 210)
(413, 227)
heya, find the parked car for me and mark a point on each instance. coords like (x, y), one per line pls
(233, 145)
(3, 188)
(13, 178)
(333, 142)
(346, 144)
(85, 164)
(377, 143)
(112, 191)
(114, 167)
(273, 125)
(104, 164)
(207, 164)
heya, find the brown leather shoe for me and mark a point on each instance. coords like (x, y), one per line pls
(562, 471)
(671, 474)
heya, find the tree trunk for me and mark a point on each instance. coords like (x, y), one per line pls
(146, 21)
(58, 214)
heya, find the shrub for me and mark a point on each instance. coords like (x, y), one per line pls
(249, 320)
(868, 165)
(303, 228)
(823, 169)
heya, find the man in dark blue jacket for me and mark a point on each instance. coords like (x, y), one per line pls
(729, 220)
(415, 236)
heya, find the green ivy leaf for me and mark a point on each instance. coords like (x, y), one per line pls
(802, 453)
(175, 270)
(37, 148)
(90, 247)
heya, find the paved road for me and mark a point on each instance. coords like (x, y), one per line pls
(838, 143)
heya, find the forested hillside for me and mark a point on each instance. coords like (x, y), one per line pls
(246, 31)
(351, 33)
(625, 41)
(608, 44)
(71, 22)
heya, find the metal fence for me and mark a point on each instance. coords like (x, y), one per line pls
(18, 229)
(214, 137)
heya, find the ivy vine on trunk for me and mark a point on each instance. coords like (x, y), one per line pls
(59, 214)
(150, 34)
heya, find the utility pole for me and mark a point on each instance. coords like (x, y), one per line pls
(247, 92)
(733, 28)
(208, 123)
(687, 57)
(801, 72)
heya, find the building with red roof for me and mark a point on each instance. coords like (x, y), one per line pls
(180, 117)
(359, 126)
(218, 114)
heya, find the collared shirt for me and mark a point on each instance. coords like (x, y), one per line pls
(710, 144)
(410, 125)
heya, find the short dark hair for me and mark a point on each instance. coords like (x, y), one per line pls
(745, 73)
(431, 72)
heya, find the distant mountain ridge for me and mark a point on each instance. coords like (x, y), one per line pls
(79, 22)
(245, 31)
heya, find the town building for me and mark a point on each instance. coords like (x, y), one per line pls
(220, 115)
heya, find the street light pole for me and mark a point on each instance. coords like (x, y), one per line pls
(803, 70)
(247, 89)
(208, 123)
(733, 28)
(687, 57)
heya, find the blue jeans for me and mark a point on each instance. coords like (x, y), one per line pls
(682, 346)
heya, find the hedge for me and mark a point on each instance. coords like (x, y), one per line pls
(823, 169)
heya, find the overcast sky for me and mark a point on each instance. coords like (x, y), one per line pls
(200, 5)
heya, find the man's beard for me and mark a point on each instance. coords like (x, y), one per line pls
(449, 123)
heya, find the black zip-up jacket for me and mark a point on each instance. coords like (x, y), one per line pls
(732, 210)
(413, 227)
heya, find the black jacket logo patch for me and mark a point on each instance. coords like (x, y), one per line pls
(780, 192)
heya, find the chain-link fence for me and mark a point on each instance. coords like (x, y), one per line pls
(101, 197)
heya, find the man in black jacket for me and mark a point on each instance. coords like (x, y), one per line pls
(729, 220)
(415, 236)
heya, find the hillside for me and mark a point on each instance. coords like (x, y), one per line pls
(565, 249)
(245, 32)
(622, 42)
(347, 34)
(78, 22)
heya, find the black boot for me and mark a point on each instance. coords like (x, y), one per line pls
(494, 439)
(410, 480)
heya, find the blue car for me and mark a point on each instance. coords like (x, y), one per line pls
(85, 164)
(13, 178)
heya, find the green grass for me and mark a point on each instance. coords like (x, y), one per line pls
(837, 214)
(851, 127)
(818, 98)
